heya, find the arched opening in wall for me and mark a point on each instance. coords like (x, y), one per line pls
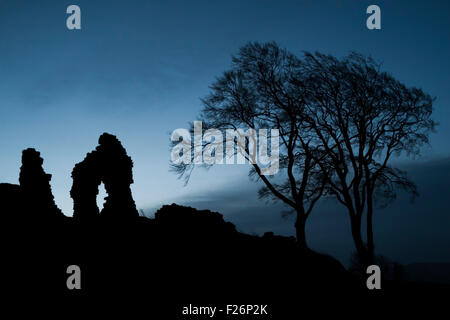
(101, 196)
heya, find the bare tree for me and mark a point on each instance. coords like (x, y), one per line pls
(340, 122)
(260, 91)
(362, 117)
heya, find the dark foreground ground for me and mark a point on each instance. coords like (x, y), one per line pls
(182, 259)
(187, 257)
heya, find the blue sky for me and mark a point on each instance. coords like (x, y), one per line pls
(137, 69)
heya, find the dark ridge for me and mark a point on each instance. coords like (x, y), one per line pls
(181, 256)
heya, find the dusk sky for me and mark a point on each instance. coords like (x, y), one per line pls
(137, 69)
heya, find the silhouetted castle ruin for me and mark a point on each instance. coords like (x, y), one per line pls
(35, 186)
(32, 200)
(110, 164)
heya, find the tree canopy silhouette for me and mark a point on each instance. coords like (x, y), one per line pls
(340, 122)
(362, 117)
(259, 92)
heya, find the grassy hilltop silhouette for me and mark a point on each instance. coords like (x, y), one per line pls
(181, 255)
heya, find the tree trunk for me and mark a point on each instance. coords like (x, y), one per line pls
(300, 226)
(370, 243)
(361, 249)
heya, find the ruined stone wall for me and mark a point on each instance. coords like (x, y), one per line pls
(110, 164)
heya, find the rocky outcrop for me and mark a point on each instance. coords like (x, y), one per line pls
(190, 221)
